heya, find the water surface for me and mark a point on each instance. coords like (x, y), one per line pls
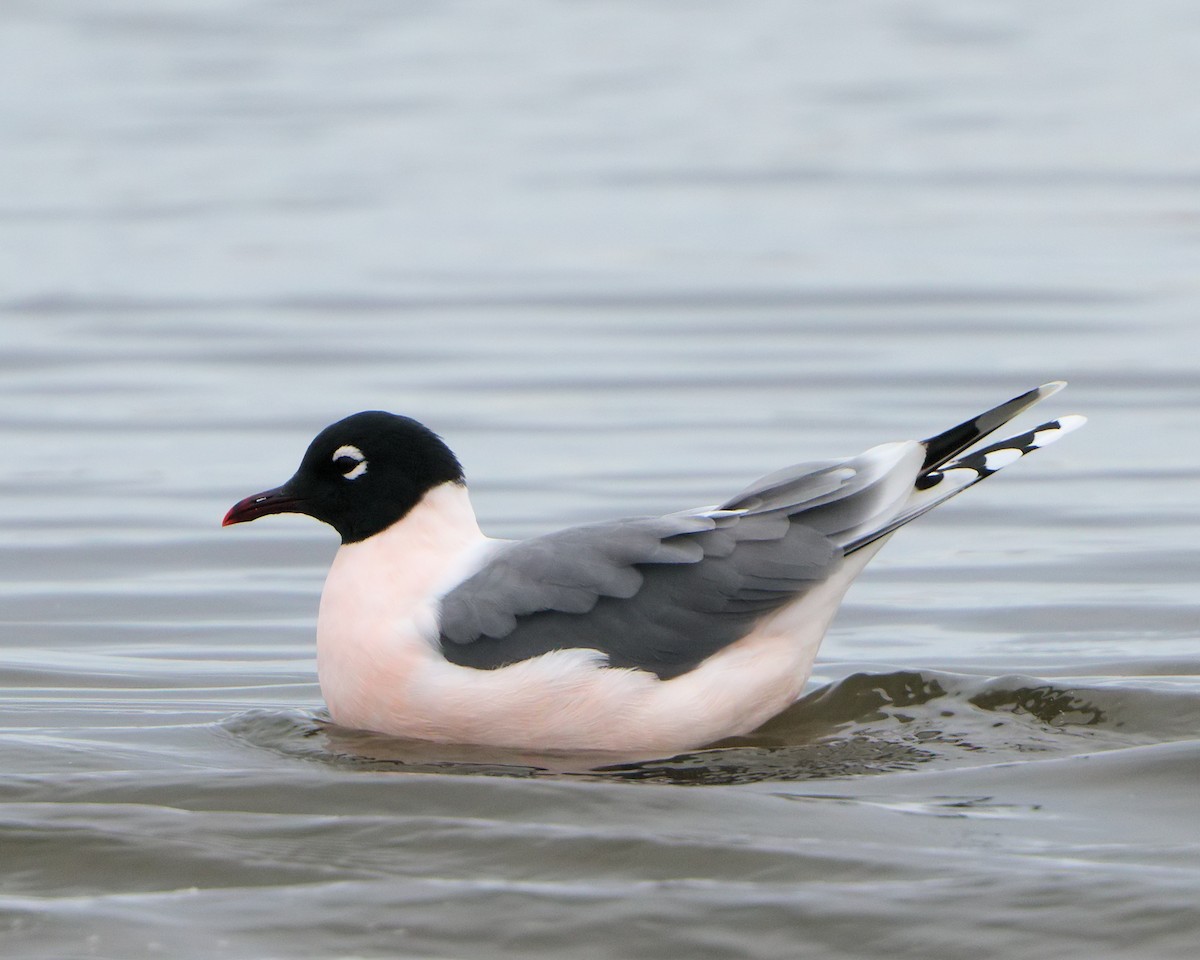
(624, 258)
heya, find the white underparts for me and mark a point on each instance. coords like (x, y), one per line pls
(381, 667)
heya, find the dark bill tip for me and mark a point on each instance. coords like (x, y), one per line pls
(259, 505)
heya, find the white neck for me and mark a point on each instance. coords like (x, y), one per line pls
(406, 561)
(383, 587)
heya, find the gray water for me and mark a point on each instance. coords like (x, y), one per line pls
(624, 257)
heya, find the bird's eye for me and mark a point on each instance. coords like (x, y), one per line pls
(350, 462)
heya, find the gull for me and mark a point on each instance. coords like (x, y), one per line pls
(651, 634)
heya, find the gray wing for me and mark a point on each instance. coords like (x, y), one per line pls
(662, 594)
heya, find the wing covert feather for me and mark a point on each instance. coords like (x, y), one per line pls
(660, 594)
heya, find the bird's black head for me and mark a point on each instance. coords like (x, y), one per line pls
(360, 475)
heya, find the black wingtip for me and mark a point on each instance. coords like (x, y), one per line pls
(946, 446)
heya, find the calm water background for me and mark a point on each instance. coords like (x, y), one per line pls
(625, 257)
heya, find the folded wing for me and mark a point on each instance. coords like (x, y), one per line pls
(662, 594)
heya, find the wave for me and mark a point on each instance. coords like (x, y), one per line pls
(864, 724)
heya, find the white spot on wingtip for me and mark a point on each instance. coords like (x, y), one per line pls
(1061, 426)
(956, 475)
(1001, 458)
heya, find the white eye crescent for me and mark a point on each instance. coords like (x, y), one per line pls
(353, 454)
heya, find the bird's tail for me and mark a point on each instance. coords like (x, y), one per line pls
(949, 477)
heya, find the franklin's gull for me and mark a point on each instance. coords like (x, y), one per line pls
(652, 634)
